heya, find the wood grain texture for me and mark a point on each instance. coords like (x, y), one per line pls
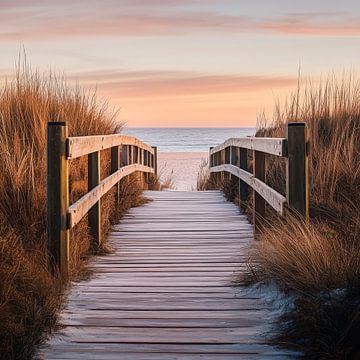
(297, 169)
(167, 291)
(272, 197)
(273, 146)
(83, 145)
(94, 216)
(57, 170)
(79, 209)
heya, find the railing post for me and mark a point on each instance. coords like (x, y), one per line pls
(115, 165)
(136, 161)
(297, 177)
(146, 163)
(132, 156)
(243, 186)
(144, 176)
(155, 161)
(233, 159)
(129, 155)
(219, 174)
(57, 197)
(94, 216)
(259, 201)
(222, 163)
(125, 155)
(227, 161)
(211, 164)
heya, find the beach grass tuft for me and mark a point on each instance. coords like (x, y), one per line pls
(318, 262)
(30, 296)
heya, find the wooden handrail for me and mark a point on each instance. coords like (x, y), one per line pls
(128, 155)
(274, 146)
(84, 145)
(231, 156)
(275, 199)
(80, 208)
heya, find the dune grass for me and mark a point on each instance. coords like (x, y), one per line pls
(316, 263)
(203, 176)
(29, 295)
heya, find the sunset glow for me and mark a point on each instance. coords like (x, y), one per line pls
(183, 63)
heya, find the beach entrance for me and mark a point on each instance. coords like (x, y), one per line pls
(167, 290)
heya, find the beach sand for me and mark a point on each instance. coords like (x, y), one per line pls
(182, 167)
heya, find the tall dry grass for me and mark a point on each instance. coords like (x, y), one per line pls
(203, 176)
(229, 185)
(29, 295)
(318, 262)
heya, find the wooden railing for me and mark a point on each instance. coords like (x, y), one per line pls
(128, 155)
(232, 157)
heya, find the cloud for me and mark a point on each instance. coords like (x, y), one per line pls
(316, 24)
(41, 20)
(152, 84)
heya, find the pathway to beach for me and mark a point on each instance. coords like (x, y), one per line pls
(167, 290)
(181, 167)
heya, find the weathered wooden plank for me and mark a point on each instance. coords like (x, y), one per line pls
(166, 292)
(200, 244)
(274, 146)
(183, 260)
(165, 305)
(159, 289)
(83, 145)
(163, 281)
(169, 349)
(108, 355)
(146, 351)
(163, 267)
(179, 323)
(153, 335)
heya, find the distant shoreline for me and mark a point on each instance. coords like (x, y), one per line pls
(186, 139)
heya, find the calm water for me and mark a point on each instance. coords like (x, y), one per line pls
(186, 139)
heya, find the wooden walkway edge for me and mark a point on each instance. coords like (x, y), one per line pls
(166, 292)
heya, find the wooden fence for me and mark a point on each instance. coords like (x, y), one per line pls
(232, 157)
(128, 155)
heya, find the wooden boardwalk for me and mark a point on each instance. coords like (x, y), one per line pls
(166, 292)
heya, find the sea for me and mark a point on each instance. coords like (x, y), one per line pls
(186, 139)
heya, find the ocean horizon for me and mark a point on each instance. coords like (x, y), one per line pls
(186, 139)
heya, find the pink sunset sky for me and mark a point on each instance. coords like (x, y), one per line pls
(186, 62)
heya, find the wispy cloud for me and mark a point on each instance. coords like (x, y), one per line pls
(174, 84)
(42, 20)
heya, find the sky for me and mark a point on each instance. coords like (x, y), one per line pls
(181, 63)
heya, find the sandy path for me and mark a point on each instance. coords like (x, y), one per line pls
(182, 167)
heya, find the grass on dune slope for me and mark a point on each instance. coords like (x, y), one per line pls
(29, 296)
(318, 262)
